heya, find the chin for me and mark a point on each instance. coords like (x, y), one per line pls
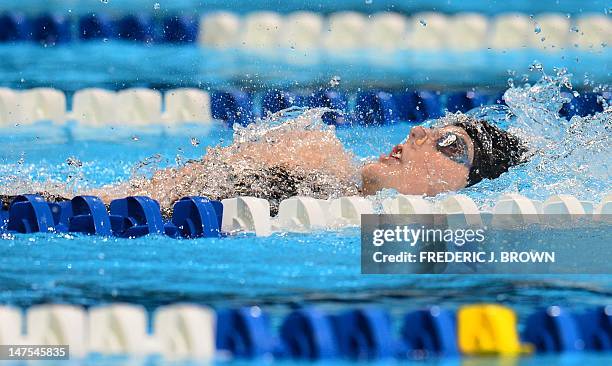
(371, 178)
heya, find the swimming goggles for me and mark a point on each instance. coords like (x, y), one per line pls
(454, 147)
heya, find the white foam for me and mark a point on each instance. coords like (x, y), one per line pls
(187, 105)
(139, 106)
(220, 30)
(185, 331)
(94, 107)
(58, 325)
(42, 104)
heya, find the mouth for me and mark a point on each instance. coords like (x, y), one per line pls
(396, 152)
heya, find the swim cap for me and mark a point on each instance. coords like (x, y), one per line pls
(495, 150)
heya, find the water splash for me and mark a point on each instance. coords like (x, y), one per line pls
(568, 156)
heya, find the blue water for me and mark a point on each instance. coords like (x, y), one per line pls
(119, 65)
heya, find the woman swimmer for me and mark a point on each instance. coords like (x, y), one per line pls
(314, 163)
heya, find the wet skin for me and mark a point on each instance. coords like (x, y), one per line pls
(418, 167)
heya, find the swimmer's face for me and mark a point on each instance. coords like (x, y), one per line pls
(432, 160)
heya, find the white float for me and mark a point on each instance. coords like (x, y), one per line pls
(42, 104)
(346, 30)
(460, 211)
(139, 106)
(555, 29)
(187, 105)
(563, 204)
(387, 31)
(347, 211)
(248, 214)
(593, 31)
(9, 107)
(58, 325)
(603, 211)
(261, 30)
(407, 205)
(428, 31)
(511, 31)
(220, 30)
(513, 210)
(300, 214)
(185, 331)
(94, 107)
(10, 325)
(118, 329)
(467, 32)
(302, 30)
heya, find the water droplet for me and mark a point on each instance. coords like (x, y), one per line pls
(156, 6)
(195, 142)
(72, 161)
(423, 22)
(104, 1)
(368, 2)
(575, 94)
(135, 138)
(575, 29)
(537, 29)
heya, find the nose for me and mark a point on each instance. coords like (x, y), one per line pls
(418, 135)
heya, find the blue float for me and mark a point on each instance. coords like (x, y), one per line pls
(197, 217)
(4, 216)
(51, 29)
(365, 334)
(245, 333)
(96, 26)
(552, 330)
(135, 216)
(333, 100)
(30, 213)
(308, 334)
(89, 216)
(596, 329)
(135, 28)
(276, 100)
(232, 107)
(417, 106)
(430, 332)
(62, 212)
(376, 108)
(464, 101)
(180, 29)
(14, 27)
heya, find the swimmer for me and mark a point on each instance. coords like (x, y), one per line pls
(314, 163)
